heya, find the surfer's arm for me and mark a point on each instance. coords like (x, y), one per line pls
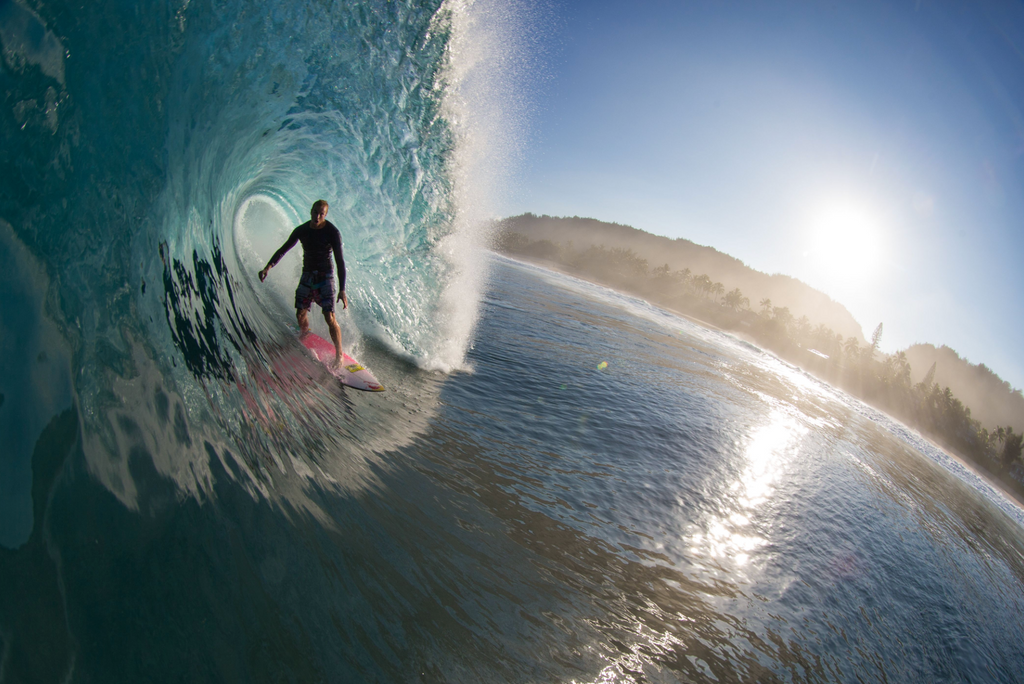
(339, 259)
(289, 243)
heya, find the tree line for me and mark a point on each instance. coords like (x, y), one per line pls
(883, 380)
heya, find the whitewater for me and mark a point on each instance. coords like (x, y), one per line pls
(560, 483)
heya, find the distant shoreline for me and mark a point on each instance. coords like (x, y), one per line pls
(856, 368)
(557, 268)
(1014, 497)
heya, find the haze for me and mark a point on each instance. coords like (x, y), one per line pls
(874, 150)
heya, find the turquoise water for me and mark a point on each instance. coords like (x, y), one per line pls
(561, 484)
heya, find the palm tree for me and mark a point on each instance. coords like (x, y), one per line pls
(735, 299)
(628, 263)
(718, 289)
(702, 284)
(851, 347)
(900, 369)
(661, 279)
(682, 278)
(1013, 446)
(997, 437)
(782, 315)
(766, 305)
(803, 327)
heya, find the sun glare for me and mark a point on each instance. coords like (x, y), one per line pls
(844, 240)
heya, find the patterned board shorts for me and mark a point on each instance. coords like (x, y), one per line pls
(316, 286)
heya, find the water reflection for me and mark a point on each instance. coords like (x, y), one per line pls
(738, 530)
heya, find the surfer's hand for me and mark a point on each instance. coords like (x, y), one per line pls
(263, 274)
(343, 298)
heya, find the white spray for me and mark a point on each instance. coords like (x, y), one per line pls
(481, 106)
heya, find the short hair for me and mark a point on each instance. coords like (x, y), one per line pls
(318, 204)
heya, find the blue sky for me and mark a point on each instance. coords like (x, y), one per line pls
(875, 150)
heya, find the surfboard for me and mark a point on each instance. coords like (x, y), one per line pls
(351, 372)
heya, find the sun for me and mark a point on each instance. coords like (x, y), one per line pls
(844, 240)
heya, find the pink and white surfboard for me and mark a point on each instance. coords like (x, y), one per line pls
(351, 373)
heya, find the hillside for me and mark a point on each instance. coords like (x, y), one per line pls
(992, 400)
(784, 291)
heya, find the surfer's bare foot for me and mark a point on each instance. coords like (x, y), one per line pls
(338, 361)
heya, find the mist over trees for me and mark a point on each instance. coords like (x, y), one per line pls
(679, 254)
(889, 381)
(993, 400)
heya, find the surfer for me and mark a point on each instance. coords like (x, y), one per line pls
(319, 238)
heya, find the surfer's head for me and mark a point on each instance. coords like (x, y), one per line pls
(318, 214)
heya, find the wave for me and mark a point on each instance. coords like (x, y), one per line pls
(154, 157)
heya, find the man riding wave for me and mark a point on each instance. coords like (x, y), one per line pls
(320, 238)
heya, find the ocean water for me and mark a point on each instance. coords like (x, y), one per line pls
(561, 484)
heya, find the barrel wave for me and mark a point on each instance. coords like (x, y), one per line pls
(155, 155)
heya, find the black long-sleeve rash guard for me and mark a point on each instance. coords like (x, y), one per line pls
(317, 245)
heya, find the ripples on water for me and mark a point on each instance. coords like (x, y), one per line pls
(702, 508)
(695, 510)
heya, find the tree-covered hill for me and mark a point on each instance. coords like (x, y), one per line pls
(992, 400)
(582, 233)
